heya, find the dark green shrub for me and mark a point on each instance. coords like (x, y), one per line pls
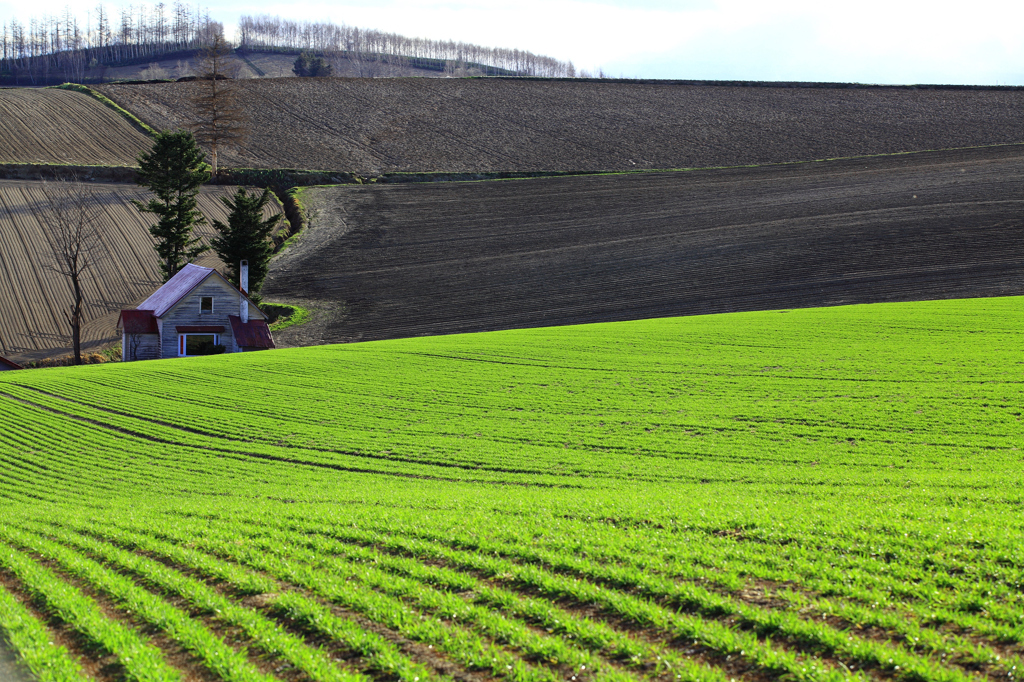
(307, 65)
(208, 348)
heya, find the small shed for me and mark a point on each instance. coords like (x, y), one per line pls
(6, 364)
(197, 312)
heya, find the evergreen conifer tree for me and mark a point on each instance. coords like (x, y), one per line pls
(174, 170)
(308, 65)
(246, 236)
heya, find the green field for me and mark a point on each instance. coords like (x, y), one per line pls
(815, 494)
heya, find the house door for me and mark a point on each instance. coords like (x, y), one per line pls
(197, 344)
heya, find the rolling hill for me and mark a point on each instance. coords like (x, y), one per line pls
(829, 495)
(441, 258)
(252, 64)
(373, 126)
(389, 261)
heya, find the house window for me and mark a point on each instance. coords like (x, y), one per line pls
(198, 344)
(205, 305)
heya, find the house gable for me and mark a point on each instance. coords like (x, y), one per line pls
(161, 300)
(188, 313)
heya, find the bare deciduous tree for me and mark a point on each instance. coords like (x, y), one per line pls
(134, 339)
(59, 47)
(221, 121)
(72, 219)
(371, 51)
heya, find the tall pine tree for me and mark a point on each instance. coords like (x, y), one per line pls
(246, 236)
(174, 170)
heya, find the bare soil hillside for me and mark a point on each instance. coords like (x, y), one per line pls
(32, 296)
(65, 127)
(371, 126)
(389, 261)
(250, 65)
(273, 65)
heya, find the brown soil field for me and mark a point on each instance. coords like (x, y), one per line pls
(32, 296)
(390, 261)
(371, 126)
(66, 128)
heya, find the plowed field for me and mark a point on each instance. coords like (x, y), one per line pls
(66, 128)
(404, 260)
(32, 297)
(456, 125)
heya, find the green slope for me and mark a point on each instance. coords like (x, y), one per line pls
(809, 494)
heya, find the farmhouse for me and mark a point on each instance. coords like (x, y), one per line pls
(6, 364)
(197, 312)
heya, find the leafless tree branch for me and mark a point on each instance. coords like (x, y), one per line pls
(72, 220)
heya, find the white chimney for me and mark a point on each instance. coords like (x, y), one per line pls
(243, 282)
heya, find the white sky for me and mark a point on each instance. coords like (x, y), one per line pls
(868, 41)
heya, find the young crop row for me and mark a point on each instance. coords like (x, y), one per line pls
(936, 594)
(810, 488)
(529, 417)
(594, 635)
(461, 643)
(908, 631)
(268, 636)
(540, 438)
(903, 618)
(688, 596)
(709, 633)
(140, 660)
(911, 631)
(932, 592)
(548, 649)
(380, 655)
(30, 638)
(102, 449)
(38, 451)
(155, 432)
(379, 570)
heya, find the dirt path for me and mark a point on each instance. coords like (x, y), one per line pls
(408, 260)
(10, 671)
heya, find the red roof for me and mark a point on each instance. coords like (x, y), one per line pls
(251, 334)
(7, 363)
(200, 329)
(138, 322)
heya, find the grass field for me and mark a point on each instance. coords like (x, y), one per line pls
(816, 494)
